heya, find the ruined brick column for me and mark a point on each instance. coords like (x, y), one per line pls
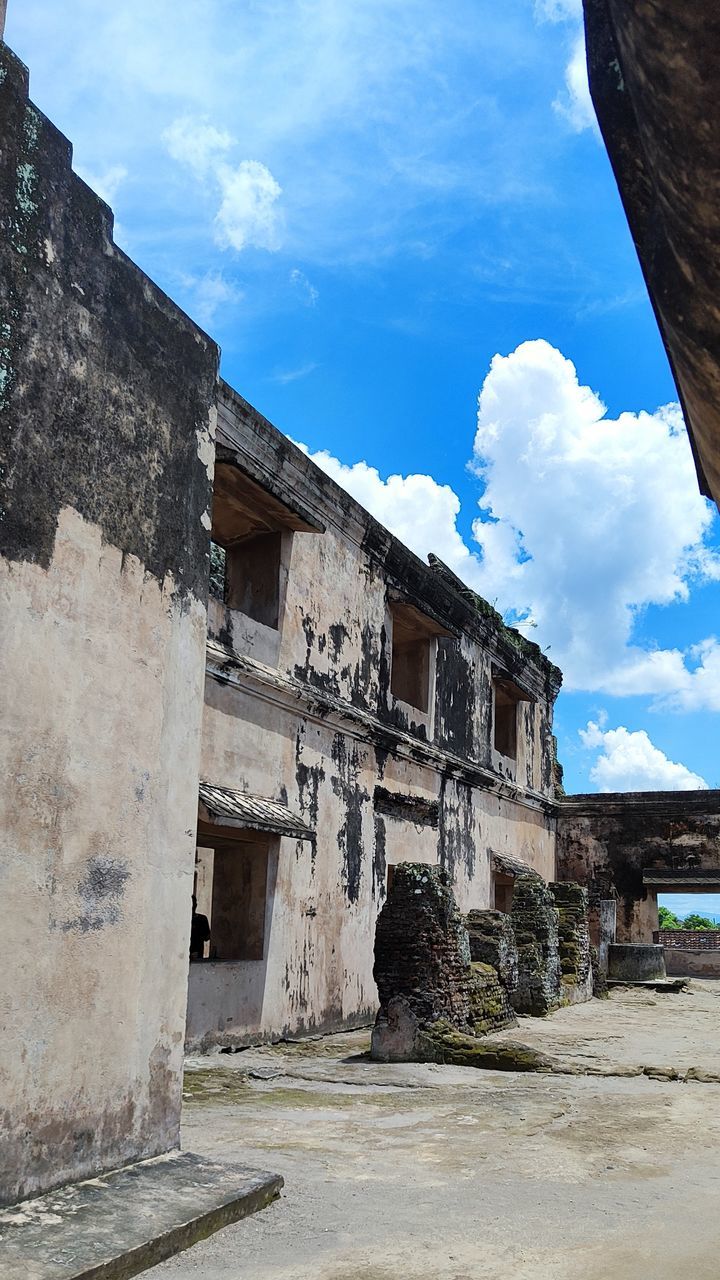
(423, 968)
(534, 918)
(576, 981)
(492, 941)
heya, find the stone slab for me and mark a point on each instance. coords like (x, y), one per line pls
(651, 984)
(121, 1223)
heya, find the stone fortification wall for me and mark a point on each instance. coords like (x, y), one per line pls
(632, 846)
(106, 413)
(492, 941)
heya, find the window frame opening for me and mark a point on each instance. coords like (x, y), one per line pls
(413, 654)
(231, 886)
(503, 886)
(506, 699)
(250, 546)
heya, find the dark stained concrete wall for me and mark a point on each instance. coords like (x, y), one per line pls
(305, 713)
(107, 396)
(655, 80)
(608, 841)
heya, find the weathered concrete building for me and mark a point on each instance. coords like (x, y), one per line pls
(653, 71)
(362, 709)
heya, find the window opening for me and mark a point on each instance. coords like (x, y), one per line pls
(252, 577)
(505, 721)
(412, 639)
(503, 891)
(217, 570)
(231, 896)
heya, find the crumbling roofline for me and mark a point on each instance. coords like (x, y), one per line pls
(656, 802)
(262, 449)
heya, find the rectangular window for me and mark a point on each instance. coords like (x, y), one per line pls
(413, 645)
(252, 577)
(503, 891)
(505, 717)
(507, 696)
(231, 888)
(246, 576)
(217, 571)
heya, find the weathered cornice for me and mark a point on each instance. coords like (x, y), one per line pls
(286, 691)
(655, 803)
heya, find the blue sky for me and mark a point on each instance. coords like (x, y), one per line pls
(380, 211)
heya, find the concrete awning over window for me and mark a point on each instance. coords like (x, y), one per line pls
(511, 866)
(221, 807)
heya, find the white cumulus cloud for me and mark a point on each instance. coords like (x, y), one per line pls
(418, 510)
(586, 520)
(248, 212)
(631, 762)
(574, 103)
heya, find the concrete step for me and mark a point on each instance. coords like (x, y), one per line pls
(121, 1223)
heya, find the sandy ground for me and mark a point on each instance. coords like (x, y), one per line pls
(448, 1173)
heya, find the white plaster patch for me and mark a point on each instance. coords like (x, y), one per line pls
(26, 178)
(206, 444)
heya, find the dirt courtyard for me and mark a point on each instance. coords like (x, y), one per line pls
(449, 1173)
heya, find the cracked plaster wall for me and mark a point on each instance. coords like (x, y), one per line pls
(607, 842)
(107, 394)
(305, 715)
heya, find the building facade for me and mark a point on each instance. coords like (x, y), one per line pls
(223, 677)
(362, 708)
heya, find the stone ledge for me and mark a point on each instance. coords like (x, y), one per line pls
(120, 1223)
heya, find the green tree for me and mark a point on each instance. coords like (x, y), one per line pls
(694, 921)
(668, 919)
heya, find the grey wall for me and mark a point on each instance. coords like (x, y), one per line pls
(609, 841)
(106, 418)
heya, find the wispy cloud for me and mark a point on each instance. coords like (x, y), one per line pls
(284, 376)
(107, 182)
(208, 295)
(596, 307)
(370, 117)
(573, 103)
(303, 287)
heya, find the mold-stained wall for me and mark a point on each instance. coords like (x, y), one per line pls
(106, 418)
(304, 714)
(631, 846)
